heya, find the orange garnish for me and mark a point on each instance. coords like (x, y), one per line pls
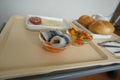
(72, 31)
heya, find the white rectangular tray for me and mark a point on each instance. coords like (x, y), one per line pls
(95, 36)
(21, 53)
(42, 26)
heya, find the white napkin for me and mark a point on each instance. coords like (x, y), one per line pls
(113, 49)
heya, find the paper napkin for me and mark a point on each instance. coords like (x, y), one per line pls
(113, 49)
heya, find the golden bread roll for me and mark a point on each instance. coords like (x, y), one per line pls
(101, 27)
(85, 20)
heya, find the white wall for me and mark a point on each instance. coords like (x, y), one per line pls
(68, 9)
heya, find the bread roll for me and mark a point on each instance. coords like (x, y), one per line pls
(85, 20)
(101, 27)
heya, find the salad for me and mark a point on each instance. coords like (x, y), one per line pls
(79, 37)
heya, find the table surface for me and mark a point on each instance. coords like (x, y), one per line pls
(73, 73)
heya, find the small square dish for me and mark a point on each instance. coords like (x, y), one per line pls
(43, 22)
(95, 36)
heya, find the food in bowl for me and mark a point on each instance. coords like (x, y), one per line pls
(85, 20)
(101, 27)
(54, 41)
(58, 42)
(35, 20)
(79, 37)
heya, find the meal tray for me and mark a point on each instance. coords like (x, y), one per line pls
(95, 36)
(60, 23)
(21, 53)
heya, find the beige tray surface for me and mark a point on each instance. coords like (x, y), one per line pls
(21, 53)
